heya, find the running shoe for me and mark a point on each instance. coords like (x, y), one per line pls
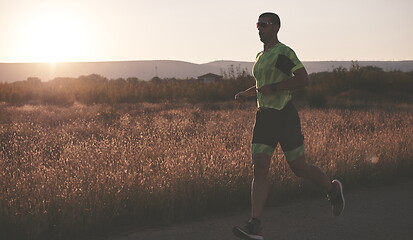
(251, 230)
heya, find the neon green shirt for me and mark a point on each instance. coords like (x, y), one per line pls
(275, 65)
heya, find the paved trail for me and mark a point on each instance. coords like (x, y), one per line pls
(379, 213)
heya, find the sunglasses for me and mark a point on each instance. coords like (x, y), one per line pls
(263, 24)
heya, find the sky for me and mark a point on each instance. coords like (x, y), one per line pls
(201, 31)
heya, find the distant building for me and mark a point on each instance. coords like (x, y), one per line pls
(210, 77)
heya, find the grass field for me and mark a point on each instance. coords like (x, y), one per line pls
(66, 171)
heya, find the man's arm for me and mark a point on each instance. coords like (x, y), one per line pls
(242, 96)
(299, 80)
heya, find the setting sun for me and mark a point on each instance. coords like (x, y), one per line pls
(54, 38)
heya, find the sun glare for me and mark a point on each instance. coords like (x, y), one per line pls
(54, 38)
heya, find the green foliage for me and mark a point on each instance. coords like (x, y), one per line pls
(362, 83)
(365, 81)
(317, 100)
(97, 89)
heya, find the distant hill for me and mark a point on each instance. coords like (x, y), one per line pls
(146, 70)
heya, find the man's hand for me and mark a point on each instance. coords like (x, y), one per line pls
(241, 97)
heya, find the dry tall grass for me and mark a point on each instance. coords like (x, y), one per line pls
(82, 168)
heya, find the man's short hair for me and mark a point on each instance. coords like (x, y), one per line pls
(274, 18)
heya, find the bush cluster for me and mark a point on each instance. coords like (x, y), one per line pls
(360, 83)
(364, 83)
(96, 89)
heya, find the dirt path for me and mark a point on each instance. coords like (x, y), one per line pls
(379, 213)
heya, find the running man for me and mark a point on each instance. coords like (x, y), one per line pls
(277, 72)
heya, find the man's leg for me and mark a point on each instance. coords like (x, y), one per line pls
(313, 173)
(259, 194)
(260, 185)
(310, 172)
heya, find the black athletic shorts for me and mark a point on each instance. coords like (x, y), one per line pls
(278, 126)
